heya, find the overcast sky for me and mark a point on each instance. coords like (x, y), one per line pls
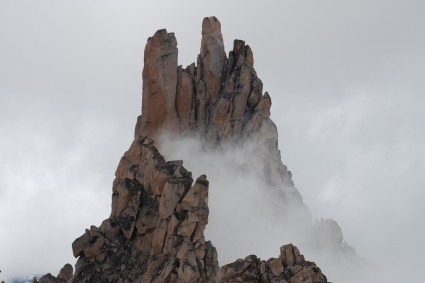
(346, 80)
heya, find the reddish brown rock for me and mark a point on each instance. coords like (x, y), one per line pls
(66, 272)
(185, 98)
(290, 267)
(220, 100)
(155, 232)
(152, 235)
(159, 84)
(213, 57)
(64, 276)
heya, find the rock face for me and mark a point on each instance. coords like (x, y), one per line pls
(155, 232)
(159, 83)
(220, 100)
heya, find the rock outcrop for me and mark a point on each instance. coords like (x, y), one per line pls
(220, 100)
(65, 275)
(155, 232)
(290, 266)
(159, 83)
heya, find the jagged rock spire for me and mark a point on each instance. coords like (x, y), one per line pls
(159, 83)
(212, 57)
(219, 98)
(155, 232)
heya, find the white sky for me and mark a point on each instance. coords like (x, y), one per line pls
(346, 80)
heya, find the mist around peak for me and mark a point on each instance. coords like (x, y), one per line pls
(249, 216)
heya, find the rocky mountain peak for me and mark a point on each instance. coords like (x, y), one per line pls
(220, 99)
(155, 232)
